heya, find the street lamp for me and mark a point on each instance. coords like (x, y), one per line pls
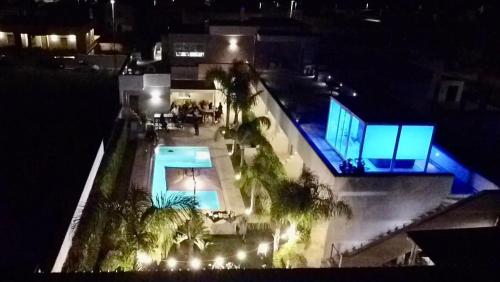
(112, 14)
(113, 29)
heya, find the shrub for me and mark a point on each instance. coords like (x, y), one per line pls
(87, 240)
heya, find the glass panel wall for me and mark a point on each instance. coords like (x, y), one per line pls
(355, 138)
(344, 131)
(383, 148)
(379, 145)
(332, 125)
(413, 147)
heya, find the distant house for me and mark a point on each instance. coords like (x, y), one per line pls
(265, 43)
(64, 33)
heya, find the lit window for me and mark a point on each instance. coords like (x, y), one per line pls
(194, 50)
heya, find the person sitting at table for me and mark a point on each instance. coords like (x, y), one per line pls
(210, 106)
(174, 111)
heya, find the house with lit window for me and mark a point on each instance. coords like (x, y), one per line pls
(263, 42)
(55, 35)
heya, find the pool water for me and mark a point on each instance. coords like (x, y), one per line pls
(181, 157)
(207, 200)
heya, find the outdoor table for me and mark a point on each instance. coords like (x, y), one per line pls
(206, 113)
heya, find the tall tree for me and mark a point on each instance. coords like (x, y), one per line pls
(141, 224)
(222, 81)
(248, 133)
(193, 233)
(237, 86)
(262, 177)
(300, 203)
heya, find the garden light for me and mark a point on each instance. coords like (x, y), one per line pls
(248, 211)
(195, 264)
(144, 258)
(219, 262)
(241, 255)
(263, 248)
(171, 263)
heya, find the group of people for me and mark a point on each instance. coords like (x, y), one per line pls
(190, 113)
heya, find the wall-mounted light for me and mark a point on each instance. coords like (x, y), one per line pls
(233, 44)
(2, 35)
(72, 38)
(155, 96)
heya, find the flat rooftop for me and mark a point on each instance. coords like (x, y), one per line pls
(446, 247)
(380, 109)
(306, 102)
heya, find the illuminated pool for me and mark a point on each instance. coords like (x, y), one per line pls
(207, 200)
(177, 157)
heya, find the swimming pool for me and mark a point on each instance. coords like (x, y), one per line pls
(175, 157)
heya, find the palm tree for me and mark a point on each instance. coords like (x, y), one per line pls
(192, 232)
(222, 81)
(248, 133)
(262, 177)
(236, 86)
(141, 224)
(300, 203)
(245, 95)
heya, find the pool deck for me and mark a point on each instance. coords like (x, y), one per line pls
(232, 200)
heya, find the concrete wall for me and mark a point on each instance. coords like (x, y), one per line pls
(381, 203)
(129, 83)
(73, 226)
(180, 72)
(227, 48)
(152, 91)
(477, 211)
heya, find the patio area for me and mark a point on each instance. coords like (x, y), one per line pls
(215, 180)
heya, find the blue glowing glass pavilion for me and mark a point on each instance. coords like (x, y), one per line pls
(384, 137)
